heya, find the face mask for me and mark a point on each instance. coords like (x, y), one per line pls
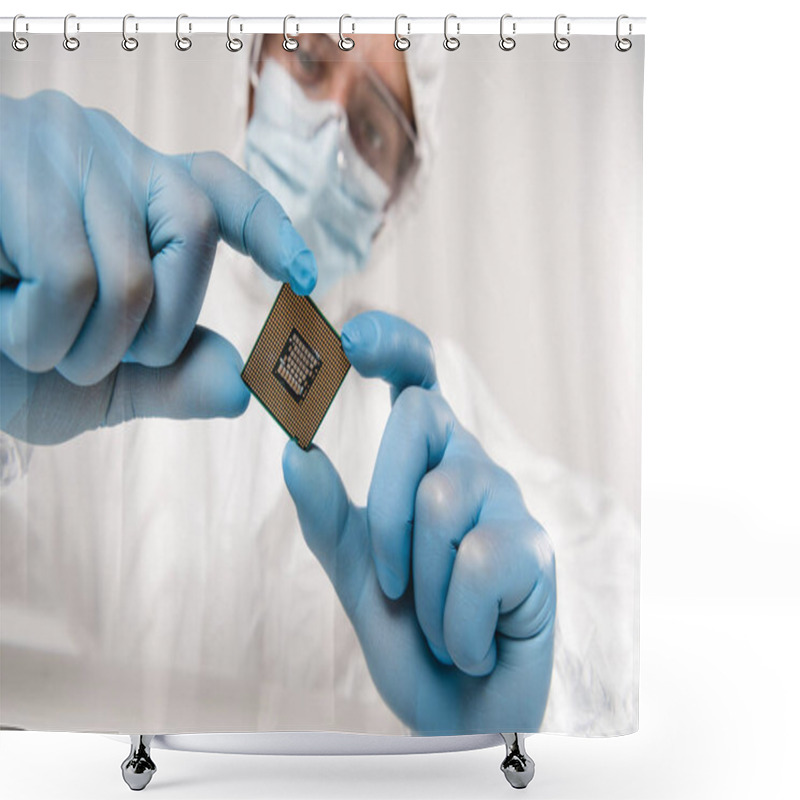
(299, 150)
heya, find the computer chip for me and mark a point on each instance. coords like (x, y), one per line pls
(297, 365)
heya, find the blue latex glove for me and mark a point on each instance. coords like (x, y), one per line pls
(106, 253)
(448, 580)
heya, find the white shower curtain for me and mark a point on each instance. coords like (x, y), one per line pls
(176, 575)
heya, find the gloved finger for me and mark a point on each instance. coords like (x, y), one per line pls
(448, 502)
(53, 280)
(48, 409)
(503, 567)
(117, 236)
(252, 221)
(327, 519)
(414, 441)
(381, 345)
(204, 382)
(183, 235)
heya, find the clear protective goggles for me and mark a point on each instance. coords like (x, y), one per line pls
(377, 127)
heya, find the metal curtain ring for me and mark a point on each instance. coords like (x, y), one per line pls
(71, 43)
(129, 43)
(507, 42)
(345, 42)
(401, 43)
(451, 43)
(289, 42)
(233, 44)
(561, 43)
(17, 41)
(623, 44)
(183, 43)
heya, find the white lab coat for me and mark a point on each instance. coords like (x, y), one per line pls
(155, 578)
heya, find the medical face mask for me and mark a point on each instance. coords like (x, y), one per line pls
(300, 151)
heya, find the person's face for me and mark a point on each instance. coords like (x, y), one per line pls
(370, 83)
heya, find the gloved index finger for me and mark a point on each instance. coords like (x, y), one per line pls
(381, 345)
(252, 221)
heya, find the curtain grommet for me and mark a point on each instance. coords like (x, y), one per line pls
(290, 44)
(451, 43)
(346, 43)
(19, 43)
(234, 44)
(401, 43)
(507, 43)
(129, 43)
(183, 43)
(71, 43)
(561, 43)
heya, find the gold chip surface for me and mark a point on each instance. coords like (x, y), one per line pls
(297, 365)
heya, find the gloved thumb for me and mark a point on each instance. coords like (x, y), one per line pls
(332, 526)
(46, 408)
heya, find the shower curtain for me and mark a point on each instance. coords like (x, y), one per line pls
(456, 550)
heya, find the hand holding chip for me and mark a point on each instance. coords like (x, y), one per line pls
(107, 246)
(448, 580)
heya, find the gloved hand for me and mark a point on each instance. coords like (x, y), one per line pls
(448, 580)
(106, 252)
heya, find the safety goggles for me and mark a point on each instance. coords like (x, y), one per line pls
(377, 126)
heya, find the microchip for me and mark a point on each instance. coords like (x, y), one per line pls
(297, 365)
